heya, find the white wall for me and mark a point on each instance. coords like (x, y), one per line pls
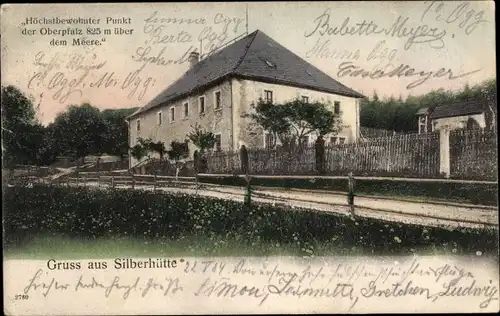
(457, 122)
(218, 121)
(253, 90)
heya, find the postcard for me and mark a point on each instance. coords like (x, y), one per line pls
(249, 158)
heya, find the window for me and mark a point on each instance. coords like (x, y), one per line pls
(201, 105)
(336, 107)
(333, 140)
(305, 99)
(160, 118)
(217, 100)
(172, 114)
(269, 140)
(218, 146)
(422, 124)
(268, 96)
(186, 109)
(138, 125)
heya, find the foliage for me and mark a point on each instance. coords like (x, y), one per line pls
(158, 147)
(141, 149)
(17, 108)
(21, 133)
(138, 152)
(399, 115)
(177, 150)
(116, 137)
(202, 139)
(80, 131)
(146, 146)
(92, 214)
(291, 121)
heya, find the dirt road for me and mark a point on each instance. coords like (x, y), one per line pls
(453, 216)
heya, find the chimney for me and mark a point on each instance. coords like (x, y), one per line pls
(193, 58)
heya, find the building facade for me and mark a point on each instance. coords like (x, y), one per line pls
(217, 91)
(466, 114)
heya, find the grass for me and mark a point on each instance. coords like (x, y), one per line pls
(63, 248)
(53, 222)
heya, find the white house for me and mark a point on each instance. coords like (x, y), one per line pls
(466, 114)
(218, 89)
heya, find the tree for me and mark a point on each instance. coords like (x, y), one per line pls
(293, 120)
(116, 136)
(177, 151)
(21, 132)
(81, 131)
(140, 150)
(159, 148)
(399, 115)
(202, 139)
(49, 148)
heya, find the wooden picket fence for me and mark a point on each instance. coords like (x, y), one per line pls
(415, 155)
(474, 154)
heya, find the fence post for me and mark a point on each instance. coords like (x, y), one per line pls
(444, 151)
(154, 185)
(350, 193)
(248, 191)
(98, 181)
(113, 182)
(133, 181)
(196, 182)
(320, 154)
(244, 160)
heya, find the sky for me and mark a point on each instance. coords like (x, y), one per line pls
(394, 48)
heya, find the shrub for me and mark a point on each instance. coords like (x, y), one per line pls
(93, 213)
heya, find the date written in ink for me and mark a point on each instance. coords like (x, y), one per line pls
(204, 266)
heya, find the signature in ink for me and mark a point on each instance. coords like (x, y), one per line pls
(419, 34)
(401, 71)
